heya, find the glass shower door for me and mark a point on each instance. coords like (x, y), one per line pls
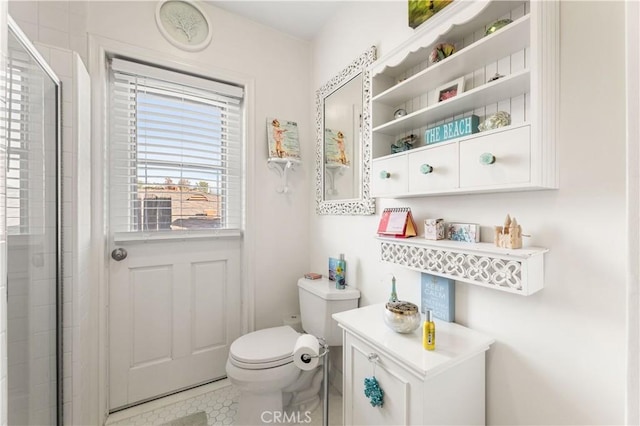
(33, 314)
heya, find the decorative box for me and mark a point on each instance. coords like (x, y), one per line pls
(468, 232)
(434, 229)
(451, 130)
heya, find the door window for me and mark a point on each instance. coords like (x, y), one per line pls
(175, 151)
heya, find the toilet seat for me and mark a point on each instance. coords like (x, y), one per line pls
(262, 349)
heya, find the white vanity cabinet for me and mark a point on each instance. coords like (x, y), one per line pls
(445, 386)
(524, 53)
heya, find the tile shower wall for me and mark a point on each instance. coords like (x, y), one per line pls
(57, 23)
(57, 28)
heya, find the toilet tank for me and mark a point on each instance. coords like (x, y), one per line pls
(319, 299)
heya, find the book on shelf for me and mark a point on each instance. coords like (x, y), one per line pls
(397, 222)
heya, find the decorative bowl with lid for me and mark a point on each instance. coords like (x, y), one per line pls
(402, 317)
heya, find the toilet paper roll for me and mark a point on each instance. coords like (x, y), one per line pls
(306, 344)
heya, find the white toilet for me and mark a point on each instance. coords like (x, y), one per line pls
(260, 364)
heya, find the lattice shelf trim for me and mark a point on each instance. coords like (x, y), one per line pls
(516, 271)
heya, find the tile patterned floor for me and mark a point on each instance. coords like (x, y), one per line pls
(220, 405)
(219, 400)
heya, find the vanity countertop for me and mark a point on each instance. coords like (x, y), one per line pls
(454, 342)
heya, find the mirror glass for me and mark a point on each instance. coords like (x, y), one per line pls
(343, 152)
(342, 140)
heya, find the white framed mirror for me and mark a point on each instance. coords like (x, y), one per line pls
(343, 148)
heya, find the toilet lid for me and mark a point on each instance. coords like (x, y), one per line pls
(266, 348)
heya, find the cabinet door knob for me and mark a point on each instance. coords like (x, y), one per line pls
(373, 357)
(487, 158)
(425, 169)
(385, 174)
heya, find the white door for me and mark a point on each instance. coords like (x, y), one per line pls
(175, 205)
(174, 310)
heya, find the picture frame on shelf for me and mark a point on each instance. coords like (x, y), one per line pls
(282, 138)
(450, 89)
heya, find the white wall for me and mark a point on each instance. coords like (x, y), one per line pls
(559, 356)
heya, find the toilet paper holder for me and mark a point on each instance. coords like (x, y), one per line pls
(308, 357)
(325, 377)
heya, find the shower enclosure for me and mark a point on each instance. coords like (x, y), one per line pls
(32, 192)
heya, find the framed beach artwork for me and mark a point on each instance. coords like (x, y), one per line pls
(336, 147)
(282, 138)
(421, 10)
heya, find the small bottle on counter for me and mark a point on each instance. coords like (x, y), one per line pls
(429, 332)
(341, 272)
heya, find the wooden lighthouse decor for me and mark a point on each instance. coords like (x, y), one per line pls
(509, 235)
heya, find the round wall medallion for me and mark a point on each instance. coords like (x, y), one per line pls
(184, 24)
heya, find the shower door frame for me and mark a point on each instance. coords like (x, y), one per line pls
(31, 49)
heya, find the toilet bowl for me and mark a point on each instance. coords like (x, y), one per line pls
(260, 364)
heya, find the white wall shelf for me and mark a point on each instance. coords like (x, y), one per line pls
(504, 88)
(507, 40)
(525, 53)
(282, 166)
(518, 271)
(452, 22)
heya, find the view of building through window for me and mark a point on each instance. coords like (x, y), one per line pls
(179, 161)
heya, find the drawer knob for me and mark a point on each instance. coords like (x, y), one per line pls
(487, 158)
(385, 174)
(425, 169)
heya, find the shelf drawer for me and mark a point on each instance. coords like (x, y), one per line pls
(433, 169)
(510, 151)
(389, 176)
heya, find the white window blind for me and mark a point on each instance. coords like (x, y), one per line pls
(176, 151)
